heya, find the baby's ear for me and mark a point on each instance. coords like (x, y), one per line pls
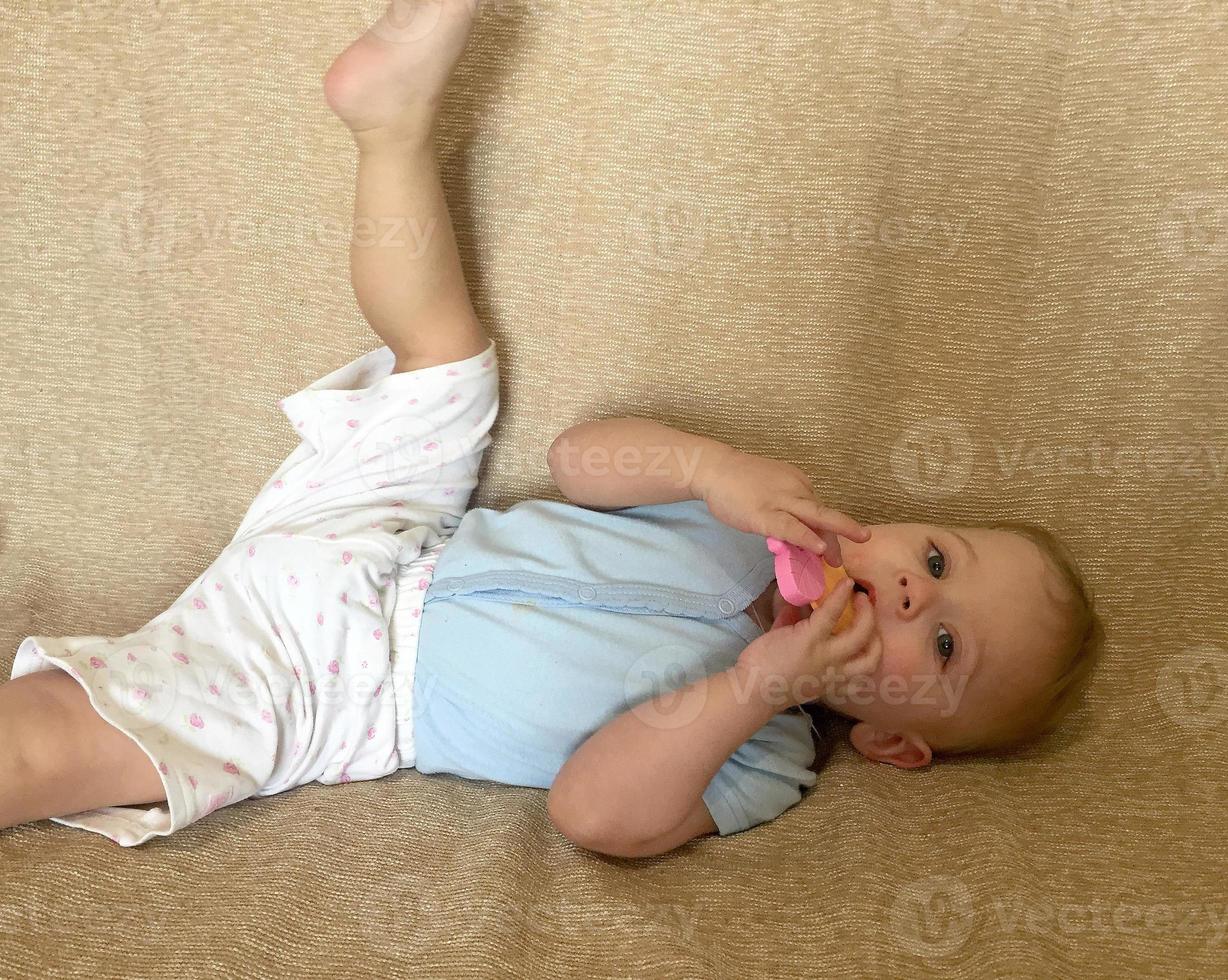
(906, 751)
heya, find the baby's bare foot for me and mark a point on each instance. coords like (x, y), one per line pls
(387, 85)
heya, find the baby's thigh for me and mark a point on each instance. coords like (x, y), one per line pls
(65, 756)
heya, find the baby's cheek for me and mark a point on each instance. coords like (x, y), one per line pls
(898, 668)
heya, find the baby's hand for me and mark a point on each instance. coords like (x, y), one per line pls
(766, 496)
(800, 661)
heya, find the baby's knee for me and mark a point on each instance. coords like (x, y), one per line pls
(26, 702)
(21, 700)
(60, 756)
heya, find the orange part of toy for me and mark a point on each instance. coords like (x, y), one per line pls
(834, 577)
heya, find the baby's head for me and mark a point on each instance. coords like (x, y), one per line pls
(988, 637)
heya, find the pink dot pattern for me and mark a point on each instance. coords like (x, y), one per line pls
(290, 659)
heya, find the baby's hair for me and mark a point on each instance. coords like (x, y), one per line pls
(1080, 649)
(1081, 646)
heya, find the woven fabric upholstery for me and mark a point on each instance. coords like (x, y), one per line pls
(960, 261)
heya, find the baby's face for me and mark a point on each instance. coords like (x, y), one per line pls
(964, 620)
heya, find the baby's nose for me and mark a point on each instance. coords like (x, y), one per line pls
(913, 594)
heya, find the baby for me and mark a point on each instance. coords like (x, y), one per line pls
(631, 654)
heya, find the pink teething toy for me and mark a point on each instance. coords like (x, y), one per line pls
(804, 577)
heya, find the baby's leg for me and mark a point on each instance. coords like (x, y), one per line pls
(387, 87)
(59, 756)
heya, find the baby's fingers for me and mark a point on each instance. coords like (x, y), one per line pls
(831, 607)
(832, 555)
(859, 633)
(789, 528)
(831, 523)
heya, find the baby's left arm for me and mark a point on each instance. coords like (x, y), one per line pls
(629, 461)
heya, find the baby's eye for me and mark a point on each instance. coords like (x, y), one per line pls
(942, 561)
(946, 644)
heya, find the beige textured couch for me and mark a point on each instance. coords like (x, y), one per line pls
(987, 241)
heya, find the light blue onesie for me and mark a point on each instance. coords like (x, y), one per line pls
(546, 620)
